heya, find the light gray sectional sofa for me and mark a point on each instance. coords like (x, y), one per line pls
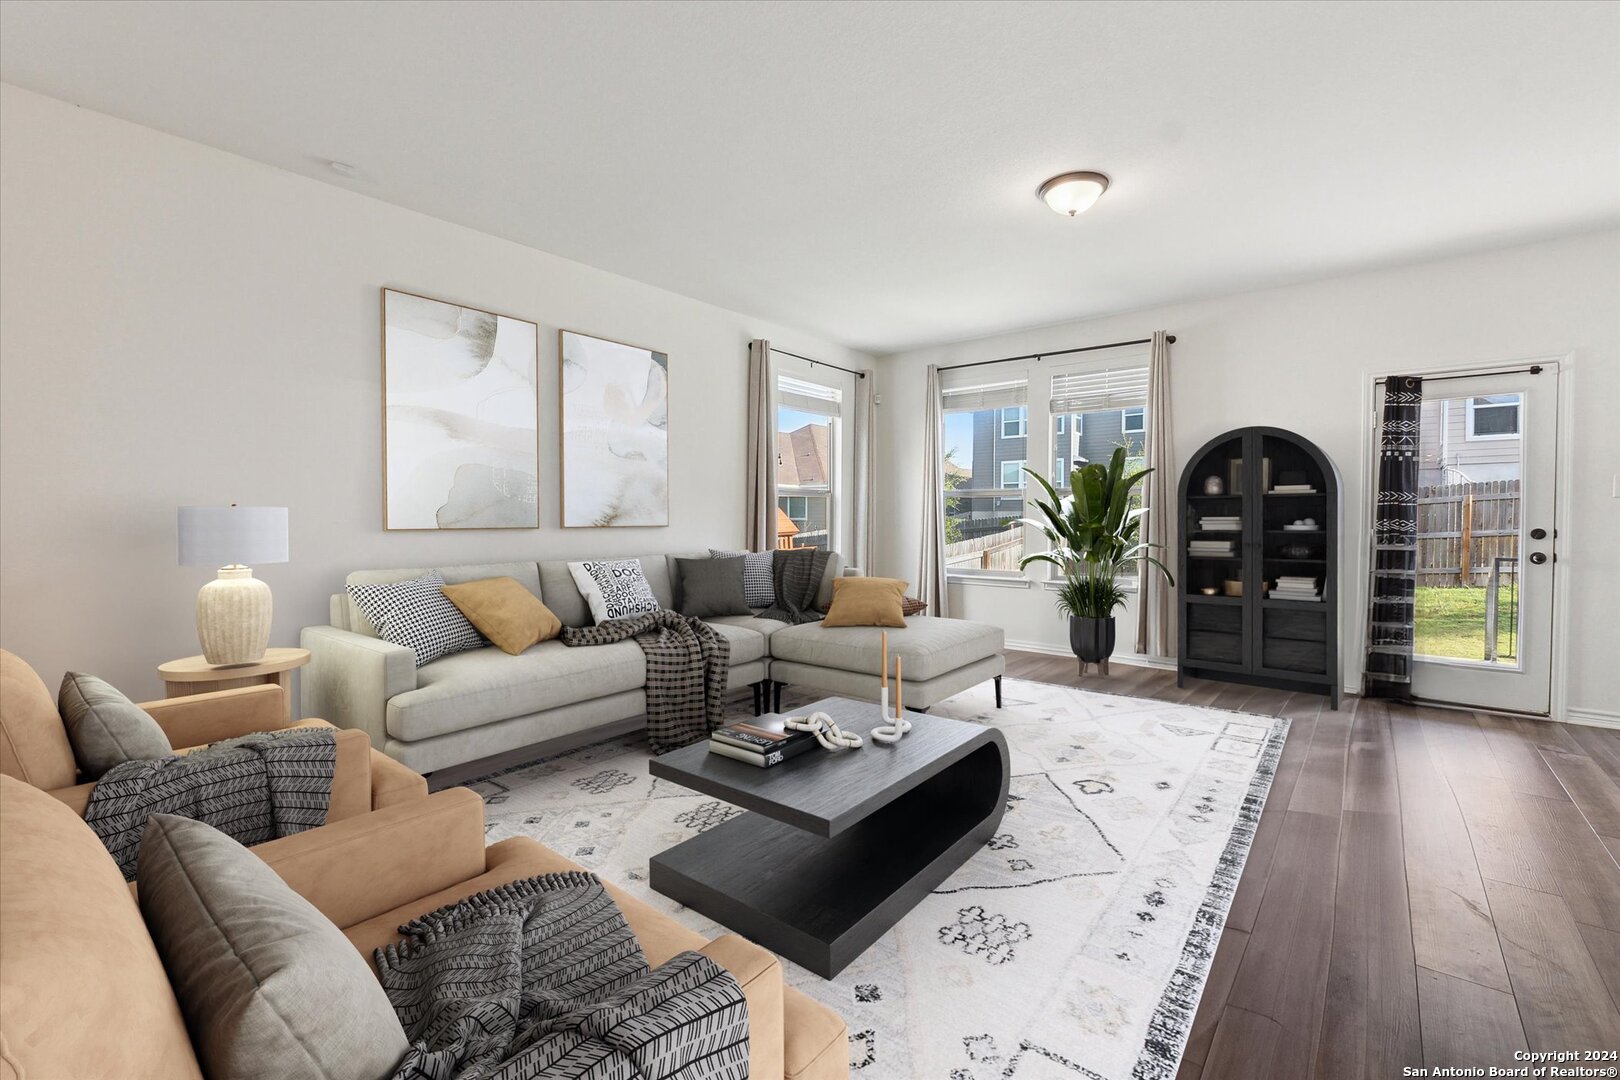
(477, 704)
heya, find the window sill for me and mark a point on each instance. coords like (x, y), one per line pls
(1011, 581)
(1129, 585)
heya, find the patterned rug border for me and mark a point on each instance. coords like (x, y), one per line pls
(1172, 1020)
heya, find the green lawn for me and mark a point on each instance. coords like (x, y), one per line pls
(1451, 622)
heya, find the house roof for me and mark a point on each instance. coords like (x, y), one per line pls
(801, 457)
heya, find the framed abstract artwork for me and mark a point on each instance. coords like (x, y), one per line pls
(461, 416)
(615, 433)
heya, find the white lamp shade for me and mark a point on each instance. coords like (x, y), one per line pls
(232, 535)
(1074, 193)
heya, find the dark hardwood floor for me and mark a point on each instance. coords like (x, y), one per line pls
(1426, 887)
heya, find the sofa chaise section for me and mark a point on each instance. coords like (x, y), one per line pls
(943, 657)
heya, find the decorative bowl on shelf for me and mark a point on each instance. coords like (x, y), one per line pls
(1210, 590)
(1298, 551)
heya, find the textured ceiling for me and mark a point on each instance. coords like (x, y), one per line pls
(868, 171)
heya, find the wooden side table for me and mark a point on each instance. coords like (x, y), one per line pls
(194, 675)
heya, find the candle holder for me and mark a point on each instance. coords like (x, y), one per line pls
(892, 733)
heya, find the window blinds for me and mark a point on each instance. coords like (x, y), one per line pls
(974, 398)
(1105, 388)
(808, 397)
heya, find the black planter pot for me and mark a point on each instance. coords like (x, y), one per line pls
(1091, 639)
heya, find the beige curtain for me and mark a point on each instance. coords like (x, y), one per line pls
(1158, 495)
(761, 450)
(865, 530)
(931, 567)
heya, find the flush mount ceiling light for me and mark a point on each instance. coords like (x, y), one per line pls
(1073, 193)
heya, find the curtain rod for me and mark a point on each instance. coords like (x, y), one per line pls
(1533, 369)
(823, 363)
(1171, 338)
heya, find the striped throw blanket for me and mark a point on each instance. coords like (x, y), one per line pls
(688, 662)
(543, 978)
(253, 789)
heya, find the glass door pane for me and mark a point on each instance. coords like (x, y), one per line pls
(1471, 467)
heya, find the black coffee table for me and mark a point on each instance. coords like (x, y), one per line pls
(838, 845)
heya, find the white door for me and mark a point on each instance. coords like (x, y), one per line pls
(1486, 552)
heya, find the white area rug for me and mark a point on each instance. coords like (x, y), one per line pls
(1076, 943)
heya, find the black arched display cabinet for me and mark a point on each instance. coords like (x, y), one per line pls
(1247, 554)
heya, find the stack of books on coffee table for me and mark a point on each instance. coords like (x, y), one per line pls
(762, 741)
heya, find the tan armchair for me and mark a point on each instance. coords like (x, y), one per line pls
(34, 744)
(85, 994)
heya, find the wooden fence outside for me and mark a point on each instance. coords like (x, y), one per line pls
(1481, 520)
(995, 551)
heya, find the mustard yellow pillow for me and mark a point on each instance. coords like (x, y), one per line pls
(505, 612)
(866, 601)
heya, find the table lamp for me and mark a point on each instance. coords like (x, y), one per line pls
(233, 610)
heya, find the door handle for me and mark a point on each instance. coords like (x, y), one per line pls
(1538, 534)
(1538, 557)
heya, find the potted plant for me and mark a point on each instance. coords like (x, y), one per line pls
(1094, 534)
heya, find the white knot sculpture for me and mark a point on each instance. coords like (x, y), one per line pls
(827, 733)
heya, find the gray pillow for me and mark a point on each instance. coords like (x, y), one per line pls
(105, 727)
(268, 985)
(758, 584)
(711, 587)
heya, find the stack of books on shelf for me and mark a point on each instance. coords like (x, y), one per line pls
(1234, 523)
(1210, 548)
(762, 741)
(1293, 489)
(1296, 588)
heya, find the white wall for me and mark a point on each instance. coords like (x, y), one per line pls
(1302, 358)
(182, 326)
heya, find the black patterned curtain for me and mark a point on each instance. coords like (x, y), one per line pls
(1390, 620)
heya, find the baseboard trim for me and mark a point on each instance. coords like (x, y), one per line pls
(1593, 718)
(1130, 659)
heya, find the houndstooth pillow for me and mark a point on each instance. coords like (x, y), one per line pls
(417, 615)
(615, 589)
(759, 587)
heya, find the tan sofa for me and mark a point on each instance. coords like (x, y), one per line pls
(34, 743)
(83, 993)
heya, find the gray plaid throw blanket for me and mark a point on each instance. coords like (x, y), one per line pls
(796, 574)
(543, 978)
(253, 789)
(687, 664)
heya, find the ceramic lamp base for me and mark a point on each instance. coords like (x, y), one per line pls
(233, 617)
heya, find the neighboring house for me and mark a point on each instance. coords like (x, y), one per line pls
(1469, 440)
(804, 482)
(1001, 451)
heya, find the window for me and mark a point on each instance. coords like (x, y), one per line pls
(1082, 410)
(1495, 417)
(984, 490)
(1105, 408)
(807, 431)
